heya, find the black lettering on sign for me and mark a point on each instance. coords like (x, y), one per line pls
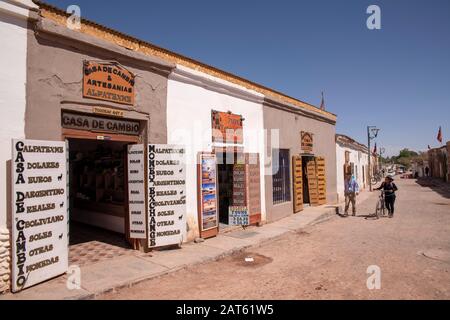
(151, 194)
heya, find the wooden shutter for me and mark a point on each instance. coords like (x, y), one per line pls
(321, 180)
(312, 183)
(297, 178)
(253, 184)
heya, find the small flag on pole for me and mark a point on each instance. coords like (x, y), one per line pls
(322, 103)
(439, 136)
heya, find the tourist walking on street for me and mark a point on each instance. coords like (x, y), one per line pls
(351, 191)
(427, 171)
(389, 188)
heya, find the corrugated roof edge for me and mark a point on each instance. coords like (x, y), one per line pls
(272, 92)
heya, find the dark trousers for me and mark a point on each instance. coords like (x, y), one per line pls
(389, 202)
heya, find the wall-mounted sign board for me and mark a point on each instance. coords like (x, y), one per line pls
(136, 191)
(166, 175)
(108, 112)
(86, 122)
(307, 142)
(39, 212)
(227, 127)
(108, 81)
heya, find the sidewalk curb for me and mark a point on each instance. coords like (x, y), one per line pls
(328, 212)
(327, 215)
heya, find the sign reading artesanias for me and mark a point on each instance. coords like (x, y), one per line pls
(166, 195)
(39, 222)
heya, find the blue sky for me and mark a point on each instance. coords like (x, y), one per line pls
(397, 78)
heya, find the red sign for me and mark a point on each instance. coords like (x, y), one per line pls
(227, 127)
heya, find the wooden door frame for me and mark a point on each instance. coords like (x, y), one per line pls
(297, 207)
(112, 137)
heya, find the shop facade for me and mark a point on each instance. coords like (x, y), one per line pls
(439, 162)
(151, 146)
(302, 170)
(351, 160)
(200, 110)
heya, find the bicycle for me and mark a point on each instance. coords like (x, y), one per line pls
(376, 178)
(380, 210)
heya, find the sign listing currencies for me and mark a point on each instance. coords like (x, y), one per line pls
(238, 216)
(166, 195)
(39, 212)
(136, 191)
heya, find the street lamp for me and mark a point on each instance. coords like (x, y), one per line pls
(372, 133)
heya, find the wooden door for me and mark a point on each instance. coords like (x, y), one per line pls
(312, 183)
(253, 183)
(297, 178)
(321, 180)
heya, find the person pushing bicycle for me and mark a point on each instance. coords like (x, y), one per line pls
(389, 188)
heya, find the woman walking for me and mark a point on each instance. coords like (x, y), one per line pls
(389, 188)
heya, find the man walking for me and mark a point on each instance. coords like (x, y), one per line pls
(351, 191)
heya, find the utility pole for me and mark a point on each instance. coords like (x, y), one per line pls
(374, 130)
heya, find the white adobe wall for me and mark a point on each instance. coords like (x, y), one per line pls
(191, 97)
(360, 160)
(13, 56)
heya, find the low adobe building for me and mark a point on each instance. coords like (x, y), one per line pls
(352, 159)
(117, 107)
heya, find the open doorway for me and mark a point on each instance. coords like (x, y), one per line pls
(98, 198)
(306, 176)
(225, 166)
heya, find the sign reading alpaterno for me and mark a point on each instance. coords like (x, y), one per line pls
(136, 191)
(108, 81)
(77, 121)
(166, 195)
(39, 212)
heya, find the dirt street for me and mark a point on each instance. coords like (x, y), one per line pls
(330, 260)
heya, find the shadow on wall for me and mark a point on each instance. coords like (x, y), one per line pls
(436, 185)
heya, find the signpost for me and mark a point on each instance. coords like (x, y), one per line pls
(39, 212)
